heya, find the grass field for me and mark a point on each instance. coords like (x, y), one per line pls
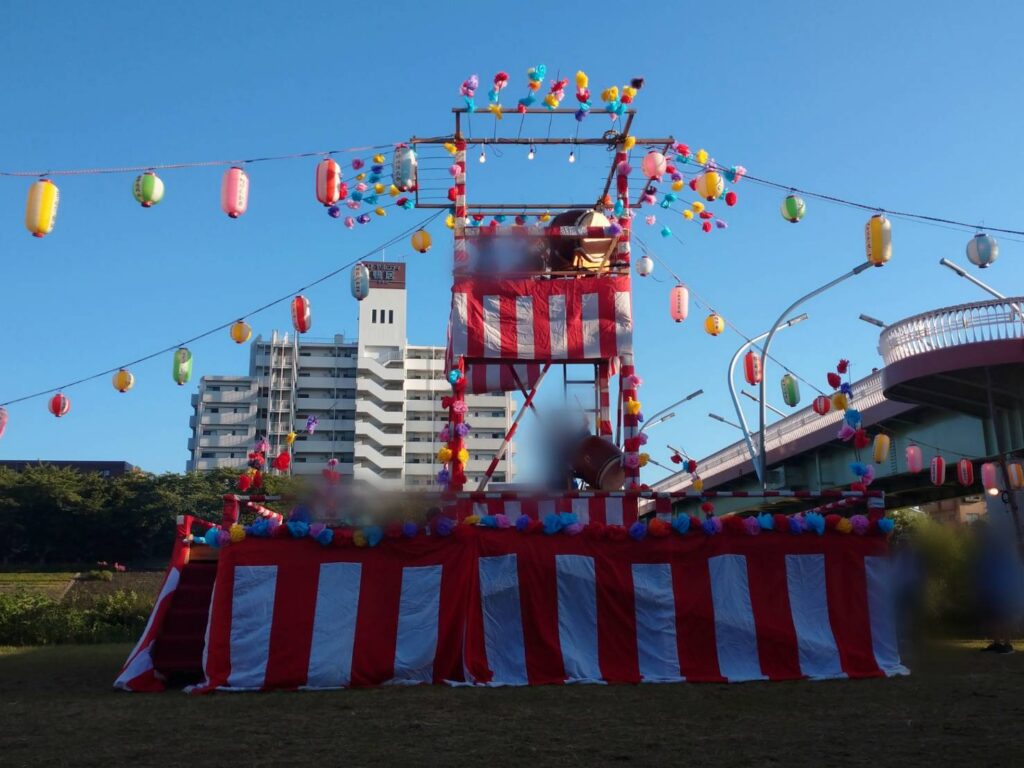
(49, 584)
(960, 707)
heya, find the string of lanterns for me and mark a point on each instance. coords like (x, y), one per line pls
(240, 332)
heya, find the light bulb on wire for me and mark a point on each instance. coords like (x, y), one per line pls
(483, 157)
(572, 157)
(531, 154)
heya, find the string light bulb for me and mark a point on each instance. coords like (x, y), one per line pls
(572, 156)
(531, 154)
(483, 157)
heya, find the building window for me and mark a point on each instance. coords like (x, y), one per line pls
(374, 315)
(391, 317)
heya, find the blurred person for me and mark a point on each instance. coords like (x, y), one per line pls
(997, 571)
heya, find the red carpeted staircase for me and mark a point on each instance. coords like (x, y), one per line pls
(178, 649)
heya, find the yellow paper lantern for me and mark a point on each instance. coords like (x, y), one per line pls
(878, 239)
(714, 324)
(421, 240)
(41, 207)
(241, 332)
(710, 185)
(123, 380)
(881, 448)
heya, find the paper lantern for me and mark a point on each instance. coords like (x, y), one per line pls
(653, 165)
(41, 207)
(965, 472)
(360, 281)
(790, 390)
(1015, 475)
(710, 185)
(644, 265)
(241, 332)
(3, 420)
(915, 461)
(990, 477)
(938, 470)
(679, 302)
(881, 448)
(821, 405)
(302, 317)
(982, 250)
(328, 182)
(404, 166)
(793, 208)
(878, 239)
(181, 366)
(148, 189)
(421, 240)
(714, 324)
(752, 368)
(59, 405)
(123, 380)
(234, 192)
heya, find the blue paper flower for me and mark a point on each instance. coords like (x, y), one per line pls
(886, 525)
(681, 524)
(815, 522)
(796, 525)
(709, 526)
(410, 529)
(852, 417)
(373, 534)
(568, 518)
(522, 523)
(489, 521)
(638, 531)
(298, 529)
(552, 523)
(211, 537)
(444, 526)
(766, 521)
(325, 537)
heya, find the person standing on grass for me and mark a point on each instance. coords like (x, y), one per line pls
(998, 583)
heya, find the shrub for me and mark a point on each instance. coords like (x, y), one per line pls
(98, 576)
(33, 619)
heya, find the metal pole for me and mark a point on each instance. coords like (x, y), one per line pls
(984, 286)
(686, 399)
(747, 436)
(762, 455)
(770, 407)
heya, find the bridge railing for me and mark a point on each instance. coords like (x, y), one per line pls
(979, 321)
(867, 393)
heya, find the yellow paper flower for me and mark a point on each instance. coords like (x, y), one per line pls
(444, 455)
(237, 533)
(463, 455)
(839, 401)
(378, 158)
(698, 484)
(702, 156)
(582, 81)
(844, 525)
(359, 538)
(644, 458)
(471, 520)
(393, 190)
(677, 185)
(450, 147)
(380, 211)
(629, 143)
(687, 214)
(360, 177)
(449, 221)
(495, 109)
(632, 407)
(290, 438)
(628, 92)
(545, 216)
(378, 188)
(610, 94)
(697, 206)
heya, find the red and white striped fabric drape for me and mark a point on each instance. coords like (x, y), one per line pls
(504, 608)
(461, 246)
(138, 674)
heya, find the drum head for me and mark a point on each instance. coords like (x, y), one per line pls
(588, 253)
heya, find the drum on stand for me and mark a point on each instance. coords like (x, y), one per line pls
(587, 254)
(598, 462)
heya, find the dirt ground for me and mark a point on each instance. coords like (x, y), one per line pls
(960, 707)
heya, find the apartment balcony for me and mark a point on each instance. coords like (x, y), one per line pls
(368, 455)
(205, 465)
(368, 366)
(228, 397)
(222, 441)
(305, 405)
(227, 418)
(369, 409)
(325, 382)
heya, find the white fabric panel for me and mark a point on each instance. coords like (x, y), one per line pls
(545, 507)
(882, 611)
(503, 620)
(582, 509)
(735, 632)
(577, 617)
(524, 327)
(623, 323)
(334, 625)
(460, 325)
(141, 662)
(591, 323)
(613, 510)
(656, 646)
(492, 326)
(557, 324)
(808, 602)
(513, 509)
(252, 614)
(418, 609)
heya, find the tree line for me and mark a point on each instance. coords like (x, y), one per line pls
(54, 515)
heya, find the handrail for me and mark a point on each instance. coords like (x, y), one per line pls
(978, 321)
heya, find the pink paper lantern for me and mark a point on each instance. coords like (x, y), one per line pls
(938, 470)
(328, 182)
(990, 477)
(915, 463)
(653, 165)
(680, 303)
(234, 192)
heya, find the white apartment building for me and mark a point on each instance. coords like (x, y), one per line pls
(377, 400)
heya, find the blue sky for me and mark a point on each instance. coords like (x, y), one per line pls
(910, 106)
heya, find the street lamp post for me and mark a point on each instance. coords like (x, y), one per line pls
(984, 286)
(732, 387)
(655, 419)
(762, 455)
(770, 407)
